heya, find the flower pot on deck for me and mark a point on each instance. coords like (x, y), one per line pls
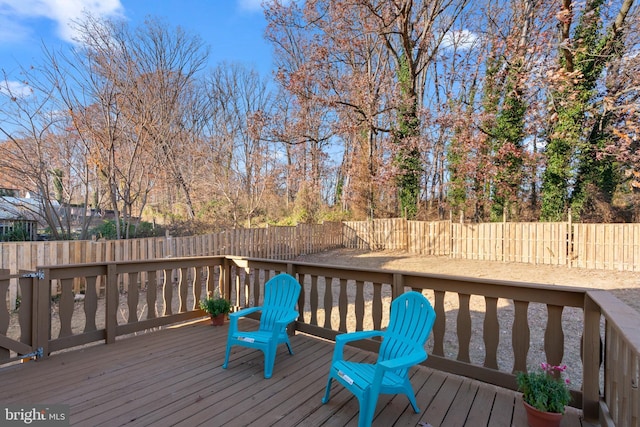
(537, 418)
(218, 320)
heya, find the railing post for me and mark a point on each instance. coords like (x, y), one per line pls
(291, 270)
(397, 286)
(41, 320)
(591, 358)
(225, 278)
(111, 312)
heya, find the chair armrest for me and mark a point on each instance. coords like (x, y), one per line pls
(356, 336)
(233, 317)
(281, 324)
(343, 339)
(244, 312)
(287, 318)
(406, 361)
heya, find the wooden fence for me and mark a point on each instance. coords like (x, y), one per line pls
(282, 243)
(595, 246)
(271, 242)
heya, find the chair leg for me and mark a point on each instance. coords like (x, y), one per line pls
(327, 392)
(367, 409)
(289, 346)
(269, 361)
(226, 356)
(411, 396)
(414, 404)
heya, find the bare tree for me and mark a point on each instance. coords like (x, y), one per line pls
(42, 153)
(125, 91)
(241, 158)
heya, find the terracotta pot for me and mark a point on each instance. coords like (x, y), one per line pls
(217, 320)
(537, 418)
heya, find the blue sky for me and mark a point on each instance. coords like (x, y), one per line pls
(232, 28)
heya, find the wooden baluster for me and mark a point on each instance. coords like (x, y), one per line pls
(464, 328)
(520, 337)
(152, 294)
(224, 281)
(491, 332)
(313, 300)
(90, 304)
(343, 304)
(256, 287)
(183, 289)
(376, 306)
(359, 305)
(65, 307)
(237, 287)
(303, 298)
(328, 301)
(440, 324)
(211, 279)
(197, 288)
(132, 297)
(167, 292)
(247, 287)
(554, 335)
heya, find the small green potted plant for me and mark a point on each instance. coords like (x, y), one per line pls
(217, 307)
(545, 394)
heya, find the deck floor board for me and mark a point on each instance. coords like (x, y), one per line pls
(175, 377)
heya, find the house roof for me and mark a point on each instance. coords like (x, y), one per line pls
(15, 208)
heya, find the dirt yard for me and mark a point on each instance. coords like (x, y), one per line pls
(623, 284)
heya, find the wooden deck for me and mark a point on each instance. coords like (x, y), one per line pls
(174, 377)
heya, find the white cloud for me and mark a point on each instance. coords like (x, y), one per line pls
(256, 5)
(15, 89)
(62, 12)
(250, 5)
(463, 39)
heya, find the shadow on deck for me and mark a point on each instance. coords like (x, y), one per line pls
(174, 377)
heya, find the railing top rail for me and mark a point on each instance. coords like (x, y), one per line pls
(99, 268)
(624, 318)
(572, 296)
(507, 289)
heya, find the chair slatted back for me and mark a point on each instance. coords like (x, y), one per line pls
(410, 324)
(280, 296)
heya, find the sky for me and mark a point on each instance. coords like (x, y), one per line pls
(233, 29)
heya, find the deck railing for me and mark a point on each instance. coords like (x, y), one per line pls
(485, 329)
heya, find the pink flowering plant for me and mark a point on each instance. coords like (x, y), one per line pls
(545, 389)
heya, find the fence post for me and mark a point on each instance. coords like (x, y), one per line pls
(503, 249)
(405, 233)
(569, 239)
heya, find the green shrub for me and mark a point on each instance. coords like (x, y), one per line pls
(107, 230)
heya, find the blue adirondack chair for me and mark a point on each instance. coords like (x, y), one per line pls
(410, 323)
(278, 310)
